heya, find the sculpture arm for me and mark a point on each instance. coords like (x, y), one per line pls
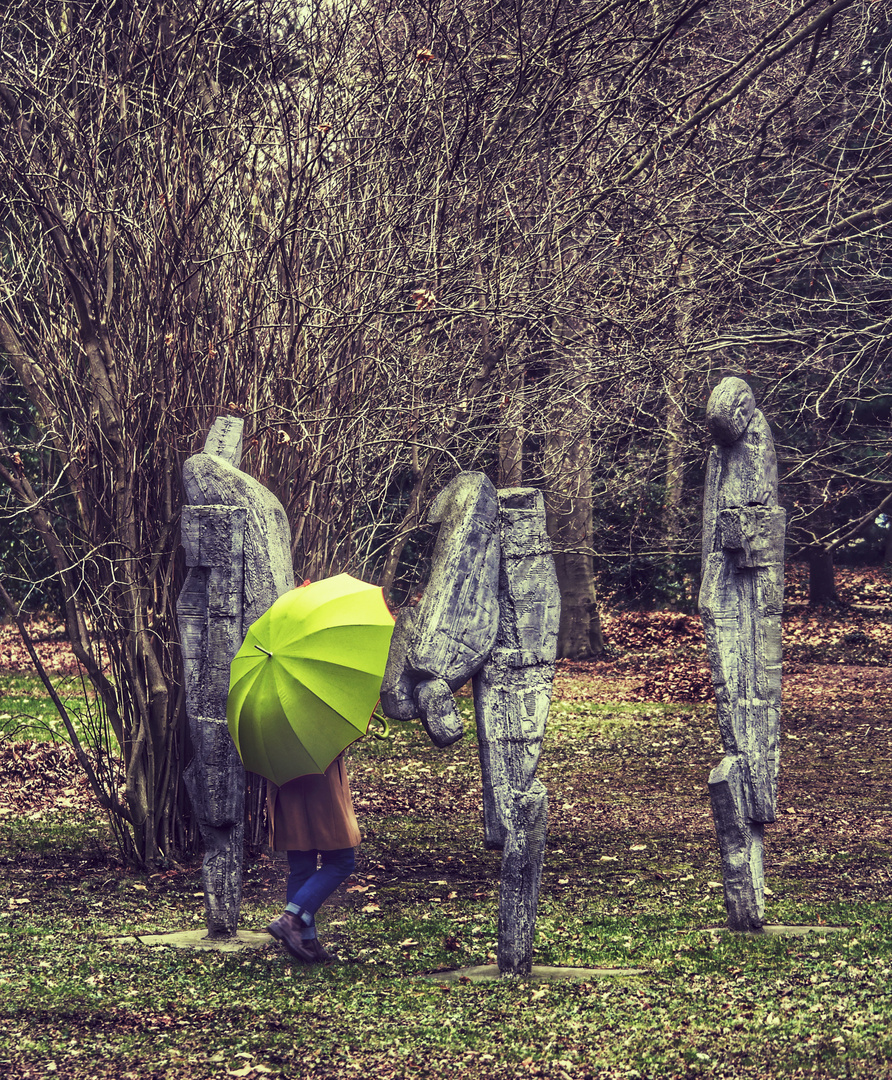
(441, 643)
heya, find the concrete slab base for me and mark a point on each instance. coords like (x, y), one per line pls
(777, 930)
(198, 939)
(540, 973)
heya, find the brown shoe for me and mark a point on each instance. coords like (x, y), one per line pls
(287, 929)
(323, 956)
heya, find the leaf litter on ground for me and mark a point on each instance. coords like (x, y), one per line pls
(631, 879)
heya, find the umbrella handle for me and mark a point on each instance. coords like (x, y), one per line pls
(384, 732)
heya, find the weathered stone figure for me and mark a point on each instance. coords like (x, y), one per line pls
(237, 544)
(741, 598)
(438, 645)
(489, 613)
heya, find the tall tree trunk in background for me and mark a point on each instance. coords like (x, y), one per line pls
(676, 423)
(821, 569)
(675, 431)
(821, 577)
(568, 504)
(511, 433)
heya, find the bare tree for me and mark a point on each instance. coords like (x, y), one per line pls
(400, 239)
(753, 116)
(800, 258)
(147, 152)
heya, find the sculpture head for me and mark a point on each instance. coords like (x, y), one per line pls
(729, 410)
(458, 496)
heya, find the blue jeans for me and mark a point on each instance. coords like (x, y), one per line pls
(308, 888)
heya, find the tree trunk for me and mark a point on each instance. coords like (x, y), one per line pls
(568, 504)
(821, 577)
(676, 423)
(821, 582)
(511, 435)
(579, 637)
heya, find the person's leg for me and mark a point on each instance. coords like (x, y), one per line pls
(288, 928)
(307, 889)
(301, 867)
(336, 867)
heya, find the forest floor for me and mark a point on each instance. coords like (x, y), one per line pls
(631, 879)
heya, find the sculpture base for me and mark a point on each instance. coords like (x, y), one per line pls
(198, 939)
(540, 973)
(777, 930)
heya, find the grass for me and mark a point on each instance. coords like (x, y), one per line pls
(630, 881)
(26, 711)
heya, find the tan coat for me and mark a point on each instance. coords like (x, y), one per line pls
(313, 812)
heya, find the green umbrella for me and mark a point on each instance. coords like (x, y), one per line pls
(307, 678)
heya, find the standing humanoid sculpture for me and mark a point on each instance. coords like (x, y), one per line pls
(237, 543)
(741, 598)
(490, 613)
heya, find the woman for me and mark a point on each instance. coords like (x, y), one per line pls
(312, 818)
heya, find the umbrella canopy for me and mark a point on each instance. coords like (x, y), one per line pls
(307, 678)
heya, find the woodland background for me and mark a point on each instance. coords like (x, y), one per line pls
(405, 239)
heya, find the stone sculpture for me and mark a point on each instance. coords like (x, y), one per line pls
(490, 613)
(741, 598)
(236, 539)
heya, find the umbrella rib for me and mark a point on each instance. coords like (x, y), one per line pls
(322, 696)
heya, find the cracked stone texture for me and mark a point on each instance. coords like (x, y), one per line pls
(741, 598)
(490, 613)
(512, 692)
(439, 644)
(237, 544)
(512, 695)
